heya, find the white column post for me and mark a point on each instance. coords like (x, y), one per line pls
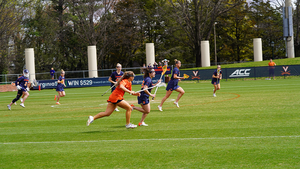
(257, 49)
(150, 54)
(92, 61)
(205, 54)
(30, 64)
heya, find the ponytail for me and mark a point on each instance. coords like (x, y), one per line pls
(126, 75)
(147, 71)
(176, 61)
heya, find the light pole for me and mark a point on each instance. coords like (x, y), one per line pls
(272, 44)
(216, 61)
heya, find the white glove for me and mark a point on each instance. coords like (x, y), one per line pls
(27, 89)
(19, 87)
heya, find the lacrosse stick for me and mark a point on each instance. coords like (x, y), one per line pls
(34, 83)
(218, 74)
(158, 85)
(186, 76)
(109, 89)
(165, 68)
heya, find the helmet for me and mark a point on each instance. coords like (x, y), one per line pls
(26, 73)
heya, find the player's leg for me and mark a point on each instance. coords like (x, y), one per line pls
(215, 88)
(140, 109)
(181, 93)
(125, 105)
(218, 86)
(146, 109)
(25, 94)
(168, 93)
(109, 109)
(58, 97)
(62, 93)
(15, 99)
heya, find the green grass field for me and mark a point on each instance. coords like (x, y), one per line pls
(250, 124)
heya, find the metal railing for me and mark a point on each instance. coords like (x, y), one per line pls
(9, 78)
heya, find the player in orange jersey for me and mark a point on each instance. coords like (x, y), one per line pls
(271, 69)
(116, 99)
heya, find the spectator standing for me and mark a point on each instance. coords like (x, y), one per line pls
(52, 71)
(271, 69)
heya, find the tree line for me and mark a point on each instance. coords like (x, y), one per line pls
(60, 31)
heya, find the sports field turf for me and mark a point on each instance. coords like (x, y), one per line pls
(250, 124)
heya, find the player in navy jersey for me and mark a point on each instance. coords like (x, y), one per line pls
(60, 87)
(143, 99)
(21, 84)
(216, 77)
(114, 77)
(173, 85)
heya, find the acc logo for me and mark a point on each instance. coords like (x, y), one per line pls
(240, 73)
(196, 76)
(285, 71)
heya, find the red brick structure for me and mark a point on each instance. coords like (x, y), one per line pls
(9, 88)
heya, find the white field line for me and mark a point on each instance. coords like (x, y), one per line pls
(154, 139)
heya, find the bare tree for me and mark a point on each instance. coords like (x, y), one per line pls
(196, 19)
(10, 20)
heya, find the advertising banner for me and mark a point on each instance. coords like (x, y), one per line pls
(88, 82)
(159, 70)
(245, 72)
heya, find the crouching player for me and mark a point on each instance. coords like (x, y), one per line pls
(21, 84)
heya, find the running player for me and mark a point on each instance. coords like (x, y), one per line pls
(21, 84)
(143, 99)
(60, 86)
(173, 85)
(21, 98)
(114, 78)
(216, 77)
(116, 99)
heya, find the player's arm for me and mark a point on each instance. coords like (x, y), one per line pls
(111, 81)
(128, 91)
(61, 81)
(147, 92)
(158, 82)
(215, 76)
(177, 77)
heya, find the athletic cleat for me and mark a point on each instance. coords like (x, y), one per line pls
(116, 109)
(21, 100)
(159, 108)
(90, 120)
(176, 104)
(22, 105)
(130, 126)
(214, 95)
(8, 106)
(143, 124)
(58, 103)
(132, 106)
(54, 97)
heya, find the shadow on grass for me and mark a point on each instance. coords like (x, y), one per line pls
(105, 131)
